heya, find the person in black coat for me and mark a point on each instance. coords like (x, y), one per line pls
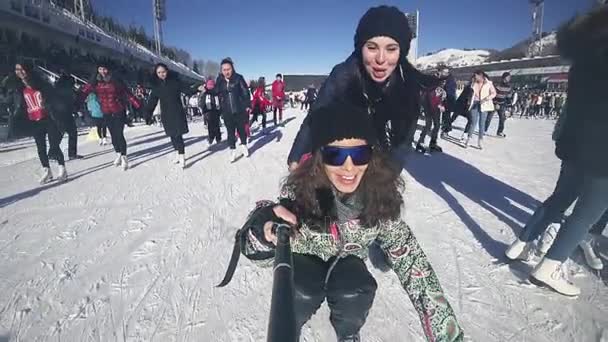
(35, 114)
(580, 140)
(377, 77)
(64, 87)
(235, 100)
(461, 108)
(167, 89)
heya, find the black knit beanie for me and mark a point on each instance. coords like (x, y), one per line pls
(337, 121)
(386, 21)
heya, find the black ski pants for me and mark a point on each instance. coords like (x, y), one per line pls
(258, 111)
(350, 291)
(235, 123)
(178, 143)
(102, 130)
(431, 118)
(41, 129)
(72, 132)
(116, 125)
(213, 126)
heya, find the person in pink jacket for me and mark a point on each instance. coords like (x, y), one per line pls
(481, 104)
(278, 98)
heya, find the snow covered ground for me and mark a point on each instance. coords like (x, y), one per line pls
(134, 256)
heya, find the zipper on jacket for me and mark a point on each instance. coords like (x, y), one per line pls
(340, 255)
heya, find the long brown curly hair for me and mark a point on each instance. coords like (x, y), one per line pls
(379, 192)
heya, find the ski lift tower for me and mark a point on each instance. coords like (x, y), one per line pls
(82, 8)
(412, 19)
(160, 15)
(538, 12)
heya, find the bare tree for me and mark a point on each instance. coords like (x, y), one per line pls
(212, 68)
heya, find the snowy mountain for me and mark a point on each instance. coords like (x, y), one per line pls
(459, 57)
(453, 58)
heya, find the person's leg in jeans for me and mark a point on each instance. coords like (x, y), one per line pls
(591, 204)
(436, 118)
(309, 284)
(482, 126)
(488, 121)
(600, 225)
(566, 191)
(501, 120)
(350, 294)
(474, 113)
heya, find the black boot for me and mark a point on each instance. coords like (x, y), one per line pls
(351, 338)
(420, 148)
(435, 148)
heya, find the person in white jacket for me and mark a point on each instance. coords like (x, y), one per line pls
(481, 104)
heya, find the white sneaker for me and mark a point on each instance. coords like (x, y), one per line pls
(592, 259)
(466, 143)
(546, 240)
(63, 173)
(47, 176)
(118, 160)
(104, 141)
(520, 250)
(124, 163)
(244, 150)
(182, 160)
(100, 142)
(176, 160)
(552, 273)
(233, 155)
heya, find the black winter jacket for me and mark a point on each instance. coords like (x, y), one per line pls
(582, 137)
(66, 96)
(395, 104)
(20, 125)
(172, 111)
(233, 94)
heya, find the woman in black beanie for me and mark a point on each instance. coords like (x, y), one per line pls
(376, 77)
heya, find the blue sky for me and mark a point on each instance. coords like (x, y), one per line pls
(264, 37)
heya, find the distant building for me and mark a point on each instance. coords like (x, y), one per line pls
(299, 82)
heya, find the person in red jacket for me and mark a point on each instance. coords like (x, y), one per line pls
(113, 95)
(259, 103)
(278, 97)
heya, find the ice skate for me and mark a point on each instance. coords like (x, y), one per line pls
(47, 176)
(552, 274)
(63, 174)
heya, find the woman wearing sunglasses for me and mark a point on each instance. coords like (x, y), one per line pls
(339, 201)
(376, 77)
